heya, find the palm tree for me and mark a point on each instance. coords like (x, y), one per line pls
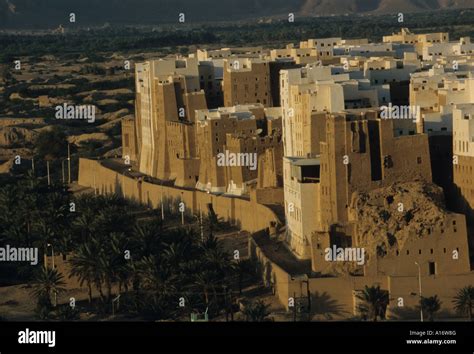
(83, 224)
(16, 233)
(107, 222)
(430, 305)
(374, 302)
(110, 260)
(56, 216)
(203, 281)
(175, 253)
(157, 276)
(145, 239)
(9, 197)
(210, 243)
(159, 282)
(31, 180)
(257, 312)
(464, 301)
(243, 267)
(218, 260)
(211, 222)
(28, 213)
(83, 266)
(47, 281)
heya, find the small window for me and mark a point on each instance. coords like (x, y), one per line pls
(432, 268)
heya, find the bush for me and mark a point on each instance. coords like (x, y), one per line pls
(43, 307)
(51, 144)
(67, 313)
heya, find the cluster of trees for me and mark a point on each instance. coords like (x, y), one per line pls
(161, 270)
(155, 269)
(51, 144)
(31, 215)
(105, 40)
(374, 302)
(119, 38)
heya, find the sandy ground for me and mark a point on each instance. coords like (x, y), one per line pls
(18, 304)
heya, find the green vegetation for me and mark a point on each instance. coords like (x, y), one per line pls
(430, 306)
(464, 301)
(46, 283)
(257, 312)
(31, 215)
(51, 144)
(374, 302)
(161, 270)
(133, 39)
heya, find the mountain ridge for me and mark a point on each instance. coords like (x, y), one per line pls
(51, 13)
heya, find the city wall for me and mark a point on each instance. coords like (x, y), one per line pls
(247, 214)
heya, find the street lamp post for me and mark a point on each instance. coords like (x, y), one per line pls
(64, 176)
(47, 170)
(182, 212)
(419, 288)
(69, 162)
(161, 202)
(123, 183)
(201, 226)
(95, 188)
(200, 223)
(115, 300)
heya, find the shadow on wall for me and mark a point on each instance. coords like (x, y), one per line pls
(413, 313)
(323, 307)
(118, 187)
(405, 313)
(461, 205)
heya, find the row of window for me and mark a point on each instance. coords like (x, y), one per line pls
(420, 252)
(462, 146)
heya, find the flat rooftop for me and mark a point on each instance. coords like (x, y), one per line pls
(302, 161)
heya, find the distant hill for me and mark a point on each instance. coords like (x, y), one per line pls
(51, 13)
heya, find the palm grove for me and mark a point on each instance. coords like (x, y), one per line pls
(161, 269)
